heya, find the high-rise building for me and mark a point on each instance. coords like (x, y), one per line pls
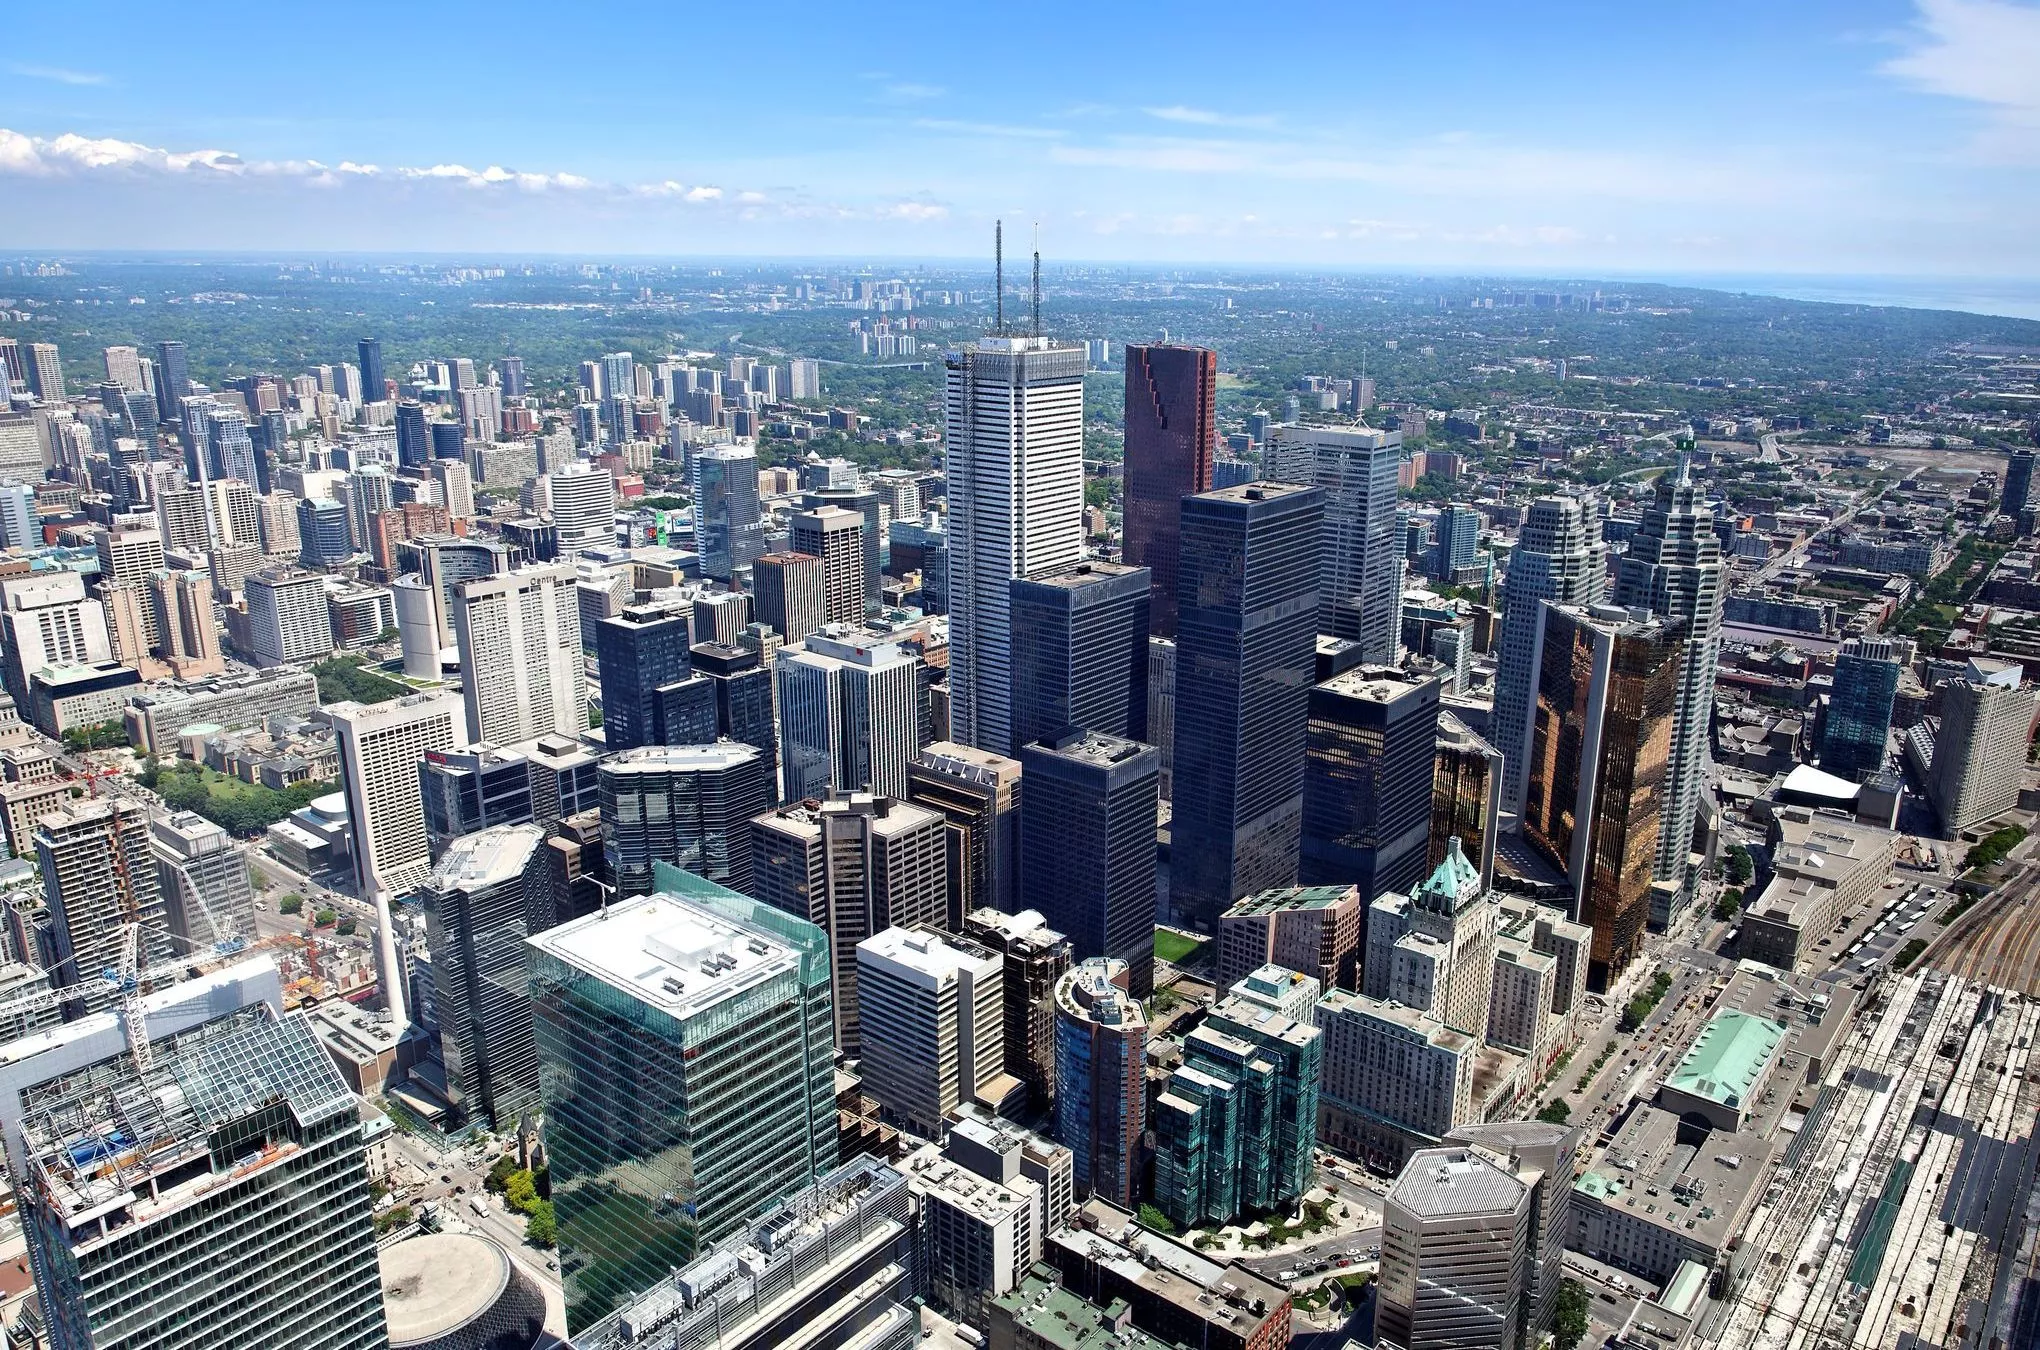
(1087, 845)
(519, 635)
(1434, 949)
(1458, 539)
(1171, 426)
(689, 805)
(641, 651)
(1360, 550)
(790, 594)
(1541, 1156)
(684, 1043)
(853, 867)
(1858, 723)
(173, 380)
(742, 685)
(131, 554)
(866, 503)
(472, 789)
(186, 1224)
(46, 620)
(1013, 432)
(1246, 646)
(2018, 481)
(1161, 686)
(932, 1009)
(1455, 1253)
(583, 497)
(124, 367)
(1558, 557)
(414, 438)
(988, 1198)
(380, 747)
(207, 897)
(321, 530)
(1980, 751)
(1101, 1078)
(1313, 930)
(1036, 957)
(1674, 568)
(1394, 1078)
(449, 440)
(1080, 653)
(835, 537)
(372, 386)
(1600, 764)
(728, 528)
(849, 716)
(510, 369)
(484, 898)
(1368, 770)
(98, 876)
(456, 487)
(1466, 795)
(45, 372)
(978, 796)
(289, 621)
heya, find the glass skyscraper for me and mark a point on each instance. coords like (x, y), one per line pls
(1080, 652)
(485, 897)
(372, 390)
(1171, 425)
(640, 651)
(728, 530)
(1367, 780)
(686, 1059)
(1859, 710)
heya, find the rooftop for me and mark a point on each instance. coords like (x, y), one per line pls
(1701, 1191)
(1058, 1318)
(668, 953)
(1445, 1183)
(918, 952)
(1291, 897)
(486, 858)
(437, 1282)
(1093, 747)
(680, 758)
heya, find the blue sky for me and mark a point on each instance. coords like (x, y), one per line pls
(1879, 136)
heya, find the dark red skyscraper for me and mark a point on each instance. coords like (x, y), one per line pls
(1171, 422)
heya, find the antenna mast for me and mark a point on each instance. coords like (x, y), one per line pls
(999, 276)
(1037, 278)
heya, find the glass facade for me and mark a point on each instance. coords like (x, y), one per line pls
(1080, 653)
(1171, 424)
(1859, 711)
(1370, 760)
(638, 652)
(671, 1123)
(486, 896)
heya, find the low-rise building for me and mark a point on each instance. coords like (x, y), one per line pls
(1648, 1201)
(1824, 866)
(1314, 930)
(1171, 1290)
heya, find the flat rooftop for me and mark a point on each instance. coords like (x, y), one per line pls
(667, 953)
(1647, 1174)
(487, 857)
(436, 1282)
(1290, 897)
(1456, 1182)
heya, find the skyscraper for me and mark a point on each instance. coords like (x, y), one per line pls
(2018, 483)
(640, 651)
(484, 898)
(1037, 957)
(380, 746)
(978, 796)
(1359, 590)
(45, 372)
(1245, 650)
(1171, 425)
(289, 622)
(173, 380)
(1980, 751)
(1852, 742)
(1466, 795)
(1013, 431)
(1559, 557)
(742, 685)
(1368, 769)
(1101, 1078)
(323, 538)
(1458, 538)
(849, 716)
(1455, 1253)
(932, 1010)
(791, 594)
(449, 440)
(372, 389)
(98, 876)
(1675, 570)
(1080, 652)
(689, 805)
(583, 507)
(853, 866)
(1087, 845)
(203, 878)
(1600, 766)
(728, 529)
(519, 635)
(836, 537)
(684, 1046)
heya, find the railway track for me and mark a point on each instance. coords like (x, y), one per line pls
(1997, 942)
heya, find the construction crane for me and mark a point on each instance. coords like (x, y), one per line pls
(128, 980)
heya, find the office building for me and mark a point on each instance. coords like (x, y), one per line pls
(519, 635)
(289, 621)
(1101, 1078)
(233, 702)
(790, 597)
(1314, 930)
(183, 605)
(1980, 750)
(987, 1198)
(835, 537)
(1236, 1123)
(380, 747)
(849, 716)
(98, 876)
(1824, 867)
(1599, 774)
(1171, 426)
(583, 497)
(213, 1149)
(684, 1047)
(456, 487)
(1245, 649)
(482, 901)
(729, 531)
(1087, 846)
(1013, 433)
(46, 620)
(865, 503)
(853, 867)
(1036, 957)
(1080, 653)
(414, 438)
(1368, 771)
(1466, 795)
(1558, 557)
(124, 367)
(1360, 549)
(931, 1008)
(322, 527)
(687, 805)
(1674, 569)
(449, 440)
(45, 372)
(1161, 684)
(132, 555)
(977, 794)
(1455, 1253)
(640, 652)
(742, 685)
(1858, 723)
(208, 900)
(2018, 492)
(1457, 543)
(464, 791)
(173, 379)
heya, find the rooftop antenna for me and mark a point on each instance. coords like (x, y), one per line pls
(999, 275)
(1037, 278)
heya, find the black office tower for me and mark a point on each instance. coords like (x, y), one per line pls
(1246, 645)
(414, 438)
(173, 380)
(1087, 844)
(449, 440)
(638, 652)
(1080, 652)
(743, 700)
(1369, 763)
(2018, 484)
(372, 389)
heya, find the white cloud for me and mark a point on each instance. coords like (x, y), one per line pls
(1204, 117)
(914, 92)
(1981, 51)
(58, 75)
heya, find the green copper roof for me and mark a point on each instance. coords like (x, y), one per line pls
(1455, 877)
(1728, 1059)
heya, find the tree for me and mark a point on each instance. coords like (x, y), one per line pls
(290, 904)
(520, 1192)
(1150, 1217)
(1739, 866)
(1569, 1318)
(1555, 1112)
(397, 1216)
(499, 1173)
(325, 917)
(1728, 905)
(346, 926)
(594, 715)
(540, 1227)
